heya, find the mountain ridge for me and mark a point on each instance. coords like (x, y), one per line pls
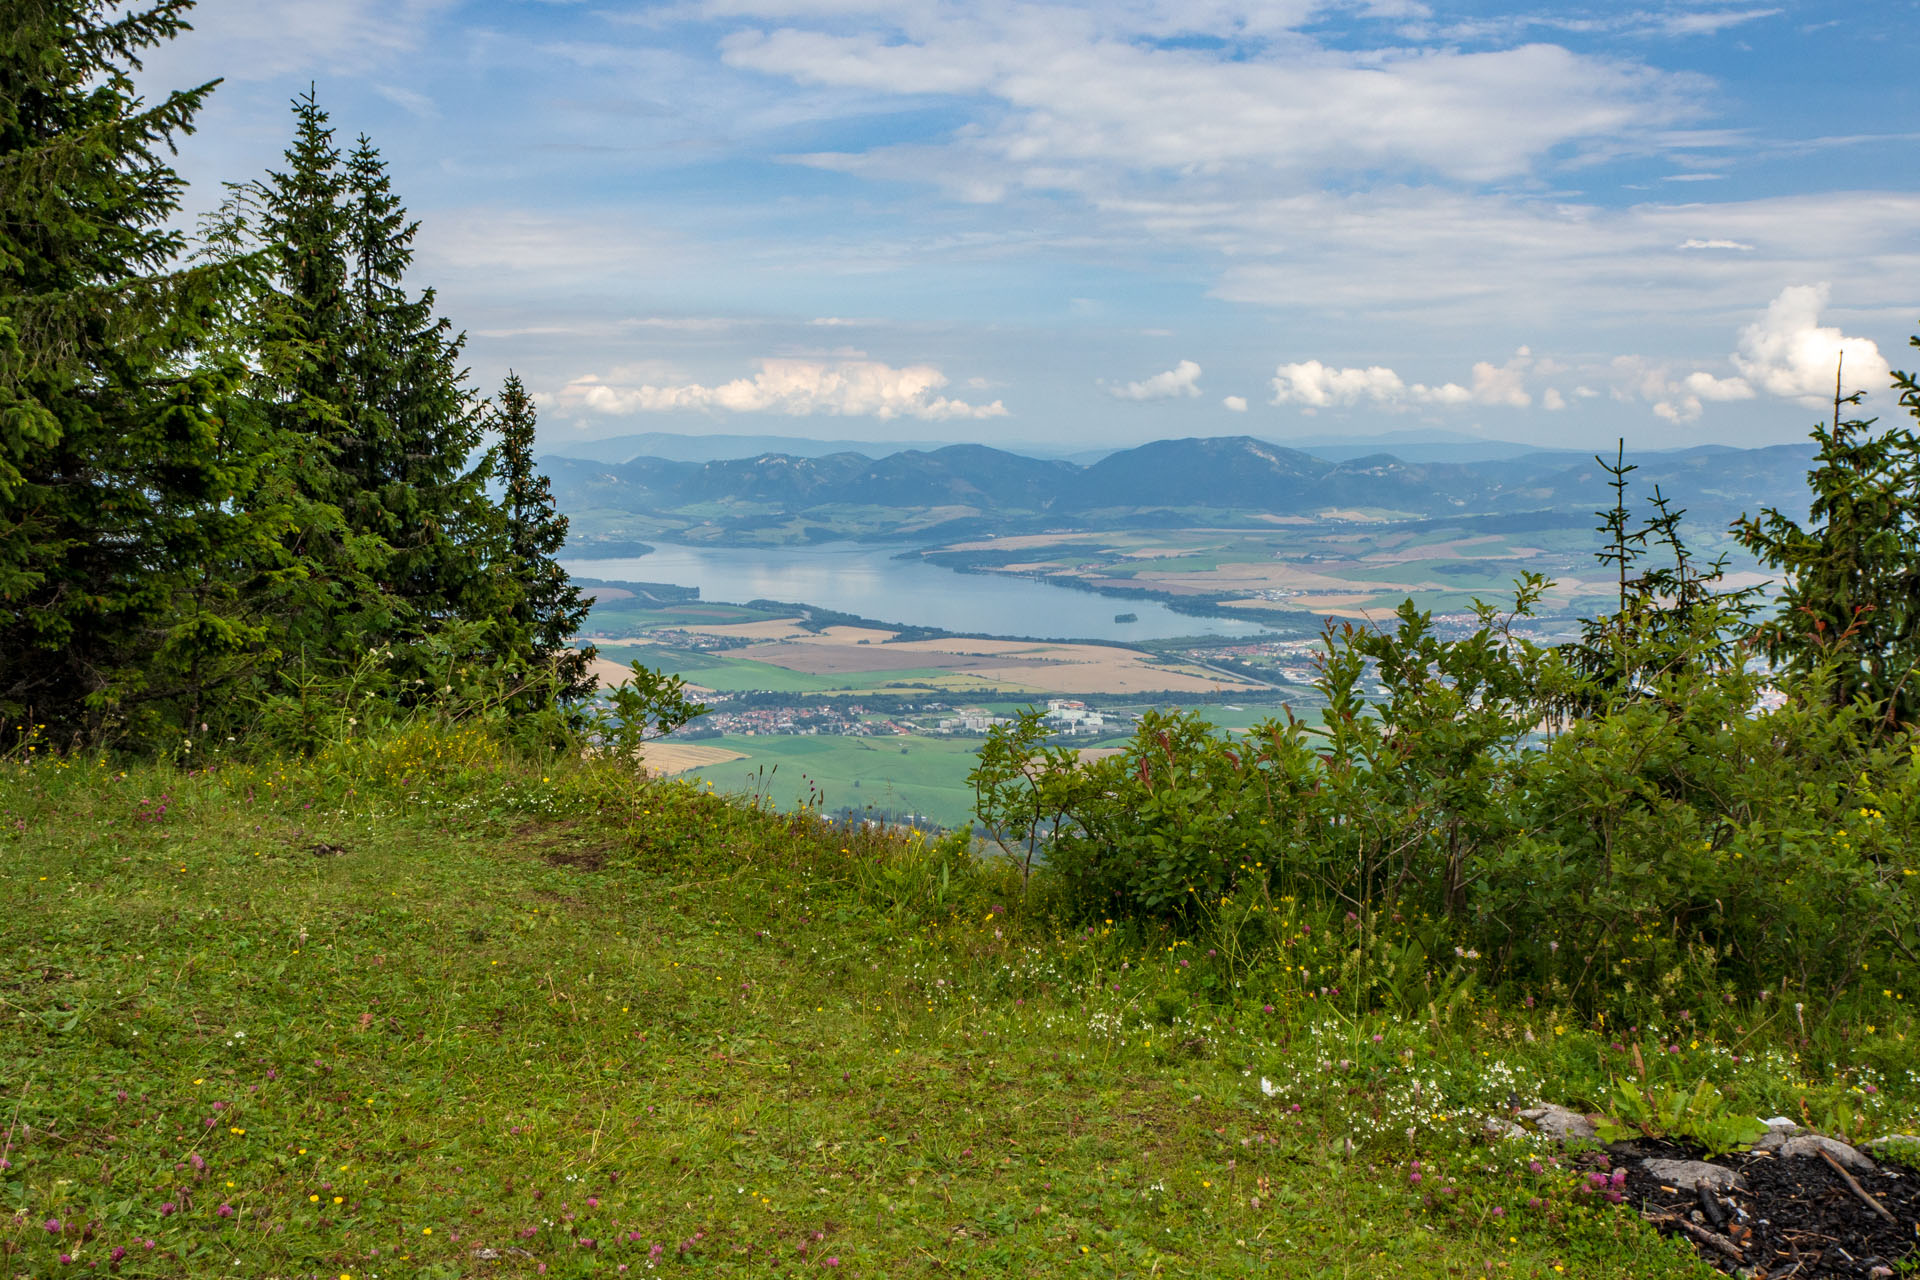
(1148, 485)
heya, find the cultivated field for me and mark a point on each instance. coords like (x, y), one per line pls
(866, 659)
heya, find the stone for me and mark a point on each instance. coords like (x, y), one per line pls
(1904, 1143)
(1688, 1174)
(1498, 1130)
(1809, 1146)
(1560, 1123)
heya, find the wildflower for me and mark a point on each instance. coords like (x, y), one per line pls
(225, 1211)
(166, 1210)
(52, 1225)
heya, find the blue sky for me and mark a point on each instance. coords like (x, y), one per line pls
(1092, 224)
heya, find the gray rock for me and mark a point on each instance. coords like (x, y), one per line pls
(1771, 1142)
(1808, 1146)
(1498, 1130)
(1688, 1174)
(1905, 1143)
(1780, 1124)
(1560, 1123)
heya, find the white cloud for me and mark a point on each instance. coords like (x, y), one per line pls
(1234, 404)
(1503, 384)
(1787, 352)
(1552, 399)
(797, 388)
(1181, 380)
(1675, 398)
(263, 39)
(1314, 385)
(1694, 242)
(1089, 96)
(1319, 386)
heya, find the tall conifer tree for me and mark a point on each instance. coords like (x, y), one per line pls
(411, 451)
(547, 608)
(1852, 595)
(109, 451)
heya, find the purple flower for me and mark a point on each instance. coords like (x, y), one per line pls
(831, 1261)
(199, 1164)
(1499, 1212)
(119, 1252)
(1266, 1008)
(225, 1211)
(592, 1203)
(1619, 1178)
(166, 1211)
(1614, 1197)
(53, 1226)
(66, 1257)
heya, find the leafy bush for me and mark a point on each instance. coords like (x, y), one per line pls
(1666, 844)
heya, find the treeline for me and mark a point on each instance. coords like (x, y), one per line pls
(245, 485)
(1713, 796)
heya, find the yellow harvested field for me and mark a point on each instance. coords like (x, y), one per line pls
(1090, 754)
(1348, 605)
(610, 673)
(665, 759)
(1019, 665)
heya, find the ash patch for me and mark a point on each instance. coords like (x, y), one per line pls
(1790, 1216)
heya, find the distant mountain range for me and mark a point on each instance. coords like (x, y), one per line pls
(962, 490)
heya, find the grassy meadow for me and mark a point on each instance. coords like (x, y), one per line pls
(418, 1007)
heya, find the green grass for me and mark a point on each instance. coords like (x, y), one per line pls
(922, 775)
(415, 1009)
(727, 675)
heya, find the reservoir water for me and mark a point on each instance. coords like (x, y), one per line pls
(868, 580)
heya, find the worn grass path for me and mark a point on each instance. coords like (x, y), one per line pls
(450, 1022)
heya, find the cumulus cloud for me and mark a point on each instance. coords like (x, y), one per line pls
(1319, 386)
(1314, 385)
(1677, 398)
(1181, 380)
(1234, 404)
(1787, 352)
(798, 388)
(1552, 399)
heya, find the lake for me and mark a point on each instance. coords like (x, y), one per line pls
(868, 580)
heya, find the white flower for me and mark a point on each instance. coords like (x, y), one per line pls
(1269, 1088)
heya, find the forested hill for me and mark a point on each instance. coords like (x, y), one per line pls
(971, 484)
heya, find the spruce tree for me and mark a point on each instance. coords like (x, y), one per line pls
(547, 608)
(109, 450)
(303, 332)
(410, 451)
(1851, 600)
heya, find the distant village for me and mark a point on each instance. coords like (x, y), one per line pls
(1068, 717)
